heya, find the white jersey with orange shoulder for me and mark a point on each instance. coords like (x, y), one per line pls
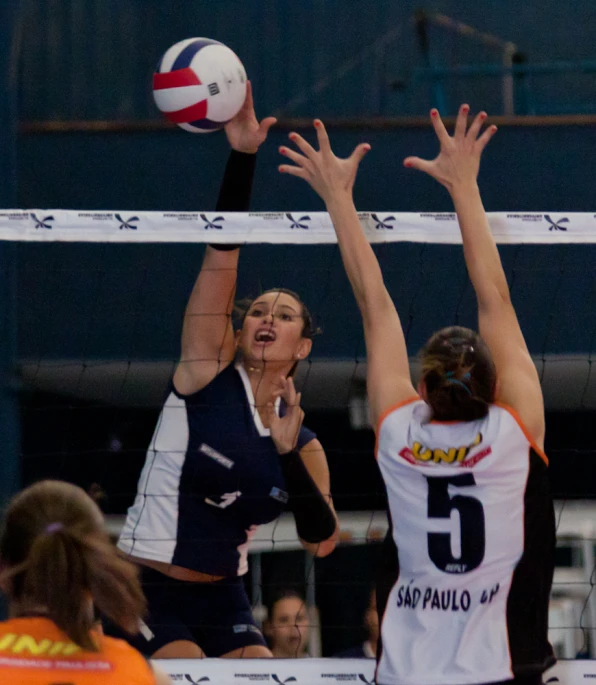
(474, 527)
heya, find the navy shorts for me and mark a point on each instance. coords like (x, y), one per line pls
(216, 616)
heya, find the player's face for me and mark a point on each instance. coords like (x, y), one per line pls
(272, 330)
(288, 629)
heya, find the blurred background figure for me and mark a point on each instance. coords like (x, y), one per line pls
(57, 566)
(368, 648)
(287, 626)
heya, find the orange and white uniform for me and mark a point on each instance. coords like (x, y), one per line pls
(474, 527)
(34, 651)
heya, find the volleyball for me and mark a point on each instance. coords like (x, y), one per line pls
(199, 84)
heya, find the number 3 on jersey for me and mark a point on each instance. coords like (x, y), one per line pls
(472, 528)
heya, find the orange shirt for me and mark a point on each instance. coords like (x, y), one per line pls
(34, 651)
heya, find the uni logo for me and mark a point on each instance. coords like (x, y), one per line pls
(449, 456)
(42, 223)
(383, 223)
(298, 223)
(277, 679)
(127, 224)
(209, 225)
(17, 644)
(556, 225)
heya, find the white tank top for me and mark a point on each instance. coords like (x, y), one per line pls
(463, 497)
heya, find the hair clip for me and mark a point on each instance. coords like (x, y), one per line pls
(53, 527)
(449, 377)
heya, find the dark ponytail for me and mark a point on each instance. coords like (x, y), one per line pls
(459, 375)
(58, 557)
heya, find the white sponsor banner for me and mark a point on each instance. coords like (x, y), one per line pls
(272, 671)
(323, 671)
(297, 227)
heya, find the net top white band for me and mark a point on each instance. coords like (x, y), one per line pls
(298, 227)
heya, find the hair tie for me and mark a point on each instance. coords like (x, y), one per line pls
(53, 527)
(449, 377)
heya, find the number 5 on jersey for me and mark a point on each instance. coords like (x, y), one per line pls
(472, 528)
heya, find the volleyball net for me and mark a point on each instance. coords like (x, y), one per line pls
(100, 303)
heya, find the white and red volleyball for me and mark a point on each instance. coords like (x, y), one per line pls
(199, 84)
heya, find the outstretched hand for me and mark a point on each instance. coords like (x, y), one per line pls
(244, 132)
(285, 429)
(458, 161)
(327, 174)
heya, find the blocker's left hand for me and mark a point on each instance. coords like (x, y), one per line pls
(328, 175)
(244, 132)
(285, 429)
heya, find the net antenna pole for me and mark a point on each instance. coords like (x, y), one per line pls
(10, 31)
(421, 24)
(509, 52)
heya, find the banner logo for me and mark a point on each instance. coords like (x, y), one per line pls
(127, 224)
(383, 223)
(298, 223)
(556, 225)
(42, 223)
(210, 225)
(277, 679)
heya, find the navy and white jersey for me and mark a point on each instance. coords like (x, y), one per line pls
(474, 527)
(212, 474)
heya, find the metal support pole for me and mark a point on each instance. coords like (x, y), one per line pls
(508, 98)
(314, 639)
(256, 574)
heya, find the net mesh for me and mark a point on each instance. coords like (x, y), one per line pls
(99, 335)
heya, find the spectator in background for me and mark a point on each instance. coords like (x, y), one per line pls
(287, 626)
(368, 649)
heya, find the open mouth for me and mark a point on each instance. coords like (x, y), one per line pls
(265, 336)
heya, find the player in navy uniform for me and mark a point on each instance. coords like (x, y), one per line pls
(229, 450)
(470, 601)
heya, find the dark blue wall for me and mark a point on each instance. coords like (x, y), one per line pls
(524, 168)
(127, 301)
(9, 417)
(93, 59)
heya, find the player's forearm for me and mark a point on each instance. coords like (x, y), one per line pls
(215, 288)
(236, 185)
(315, 519)
(360, 262)
(480, 250)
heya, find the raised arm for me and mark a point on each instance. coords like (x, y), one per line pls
(456, 167)
(207, 336)
(388, 372)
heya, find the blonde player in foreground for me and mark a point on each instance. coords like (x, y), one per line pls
(462, 457)
(57, 564)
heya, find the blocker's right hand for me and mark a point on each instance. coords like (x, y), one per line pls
(458, 161)
(327, 174)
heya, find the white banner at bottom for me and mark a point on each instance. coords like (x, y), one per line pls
(322, 671)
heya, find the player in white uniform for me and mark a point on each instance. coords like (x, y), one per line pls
(462, 456)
